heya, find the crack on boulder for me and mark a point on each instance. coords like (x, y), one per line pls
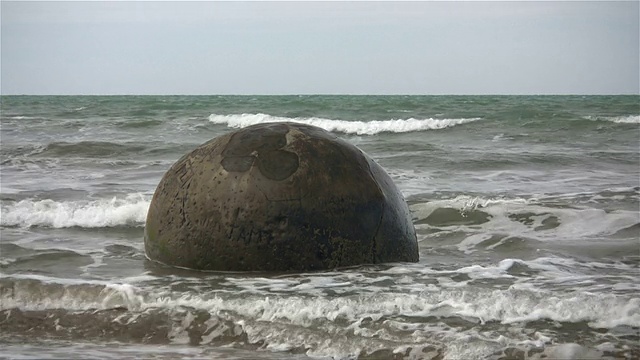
(264, 149)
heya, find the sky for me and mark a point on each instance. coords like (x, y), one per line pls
(429, 47)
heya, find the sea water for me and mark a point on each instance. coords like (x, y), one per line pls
(526, 209)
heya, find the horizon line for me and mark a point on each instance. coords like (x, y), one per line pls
(335, 94)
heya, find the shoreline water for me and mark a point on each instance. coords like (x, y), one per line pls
(526, 209)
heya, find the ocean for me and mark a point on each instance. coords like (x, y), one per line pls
(526, 208)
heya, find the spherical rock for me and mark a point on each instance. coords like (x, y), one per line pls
(278, 197)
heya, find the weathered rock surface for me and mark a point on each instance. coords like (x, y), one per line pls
(278, 197)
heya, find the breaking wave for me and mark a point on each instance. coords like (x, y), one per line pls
(347, 127)
(390, 293)
(628, 119)
(359, 324)
(128, 211)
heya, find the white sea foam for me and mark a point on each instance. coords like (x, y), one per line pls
(347, 127)
(466, 203)
(516, 304)
(281, 323)
(628, 119)
(531, 218)
(130, 210)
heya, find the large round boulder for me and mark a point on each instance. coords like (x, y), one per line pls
(278, 197)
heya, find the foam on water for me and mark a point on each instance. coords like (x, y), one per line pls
(630, 119)
(130, 210)
(347, 127)
(513, 304)
(285, 313)
(529, 217)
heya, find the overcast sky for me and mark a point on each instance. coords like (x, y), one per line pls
(320, 47)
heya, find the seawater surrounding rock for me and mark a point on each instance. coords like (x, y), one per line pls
(278, 197)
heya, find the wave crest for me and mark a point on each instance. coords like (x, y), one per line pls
(631, 119)
(128, 211)
(343, 126)
(628, 119)
(516, 304)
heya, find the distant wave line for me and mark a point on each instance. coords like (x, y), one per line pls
(628, 119)
(347, 127)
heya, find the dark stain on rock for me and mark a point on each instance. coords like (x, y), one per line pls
(278, 164)
(263, 148)
(237, 163)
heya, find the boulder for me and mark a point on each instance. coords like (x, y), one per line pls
(278, 197)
